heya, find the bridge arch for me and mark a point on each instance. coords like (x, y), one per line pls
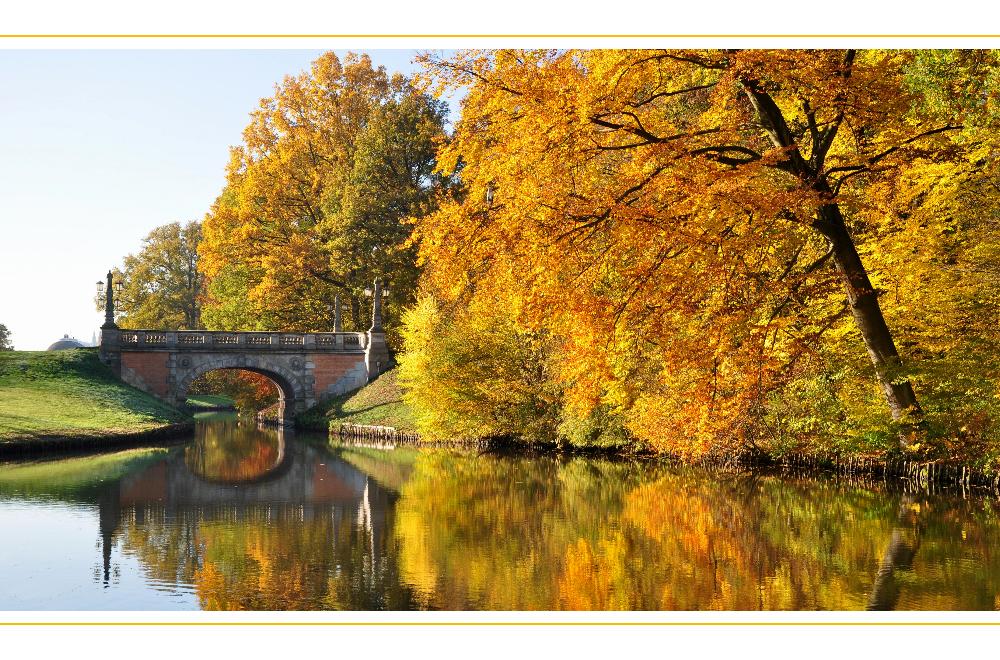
(292, 393)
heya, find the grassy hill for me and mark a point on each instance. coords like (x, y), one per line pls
(70, 393)
(379, 403)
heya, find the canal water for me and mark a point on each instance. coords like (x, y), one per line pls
(243, 518)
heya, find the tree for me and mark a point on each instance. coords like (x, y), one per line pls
(5, 343)
(162, 288)
(317, 197)
(674, 216)
(472, 372)
(161, 285)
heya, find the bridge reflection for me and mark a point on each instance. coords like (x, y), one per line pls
(243, 506)
(291, 474)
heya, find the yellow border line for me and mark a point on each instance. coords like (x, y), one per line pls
(497, 36)
(501, 623)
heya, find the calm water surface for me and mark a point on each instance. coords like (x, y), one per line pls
(243, 518)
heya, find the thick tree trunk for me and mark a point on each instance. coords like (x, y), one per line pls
(830, 222)
(863, 298)
(903, 546)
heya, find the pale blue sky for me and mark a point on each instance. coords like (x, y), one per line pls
(97, 147)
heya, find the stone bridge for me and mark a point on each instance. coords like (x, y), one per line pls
(306, 367)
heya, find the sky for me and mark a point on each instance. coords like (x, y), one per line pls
(98, 147)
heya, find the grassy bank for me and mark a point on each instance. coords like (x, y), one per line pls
(70, 393)
(210, 402)
(379, 403)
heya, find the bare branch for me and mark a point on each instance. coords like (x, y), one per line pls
(716, 153)
(676, 92)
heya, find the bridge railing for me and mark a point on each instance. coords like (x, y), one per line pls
(223, 340)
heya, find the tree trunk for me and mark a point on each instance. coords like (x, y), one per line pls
(863, 299)
(903, 546)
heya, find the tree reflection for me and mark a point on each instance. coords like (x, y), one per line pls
(899, 555)
(233, 451)
(490, 533)
(368, 529)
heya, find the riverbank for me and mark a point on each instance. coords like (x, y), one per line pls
(377, 416)
(379, 403)
(70, 400)
(379, 413)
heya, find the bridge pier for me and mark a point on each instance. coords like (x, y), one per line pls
(377, 357)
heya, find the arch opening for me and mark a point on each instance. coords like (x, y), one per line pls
(246, 391)
(266, 393)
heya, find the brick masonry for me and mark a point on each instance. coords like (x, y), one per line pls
(147, 371)
(336, 374)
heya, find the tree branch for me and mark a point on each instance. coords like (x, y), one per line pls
(716, 154)
(676, 92)
(774, 124)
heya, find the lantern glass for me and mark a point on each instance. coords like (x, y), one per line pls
(100, 288)
(368, 291)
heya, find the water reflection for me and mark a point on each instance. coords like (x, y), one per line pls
(231, 451)
(248, 518)
(308, 534)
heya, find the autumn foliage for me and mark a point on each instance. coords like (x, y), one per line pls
(732, 249)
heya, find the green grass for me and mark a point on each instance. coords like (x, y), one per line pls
(392, 469)
(73, 477)
(70, 393)
(379, 403)
(210, 401)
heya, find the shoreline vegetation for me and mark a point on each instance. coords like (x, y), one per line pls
(68, 400)
(377, 416)
(64, 398)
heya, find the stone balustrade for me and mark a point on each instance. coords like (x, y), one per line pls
(221, 340)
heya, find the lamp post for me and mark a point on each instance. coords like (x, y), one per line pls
(377, 358)
(337, 324)
(109, 292)
(377, 293)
